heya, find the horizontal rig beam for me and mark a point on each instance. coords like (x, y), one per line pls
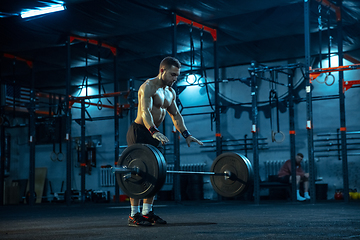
(212, 31)
(94, 42)
(263, 68)
(314, 73)
(28, 62)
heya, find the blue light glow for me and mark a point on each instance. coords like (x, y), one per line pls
(191, 78)
(334, 62)
(42, 10)
(82, 91)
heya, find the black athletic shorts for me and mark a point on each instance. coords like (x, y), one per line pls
(138, 133)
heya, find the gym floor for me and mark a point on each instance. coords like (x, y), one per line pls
(186, 220)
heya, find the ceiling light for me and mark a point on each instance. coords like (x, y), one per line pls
(42, 10)
(191, 78)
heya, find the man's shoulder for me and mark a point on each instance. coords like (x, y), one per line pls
(148, 83)
(288, 162)
(148, 86)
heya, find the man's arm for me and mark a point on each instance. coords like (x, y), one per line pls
(146, 105)
(175, 115)
(178, 121)
(300, 171)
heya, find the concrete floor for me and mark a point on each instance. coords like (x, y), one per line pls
(187, 220)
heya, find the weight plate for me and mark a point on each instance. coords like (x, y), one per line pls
(241, 174)
(152, 171)
(162, 166)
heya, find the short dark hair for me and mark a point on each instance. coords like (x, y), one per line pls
(170, 61)
(300, 154)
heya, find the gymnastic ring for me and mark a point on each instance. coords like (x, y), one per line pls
(88, 104)
(282, 138)
(317, 79)
(333, 80)
(99, 105)
(60, 156)
(53, 156)
(202, 84)
(273, 136)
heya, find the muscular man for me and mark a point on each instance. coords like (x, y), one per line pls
(155, 97)
(284, 175)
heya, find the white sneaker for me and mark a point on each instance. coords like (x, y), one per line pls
(300, 198)
(307, 196)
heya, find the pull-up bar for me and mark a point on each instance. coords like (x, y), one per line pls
(314, 73)
(94, 42)
(212, 31)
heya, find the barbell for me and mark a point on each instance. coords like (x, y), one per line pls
(141, 172)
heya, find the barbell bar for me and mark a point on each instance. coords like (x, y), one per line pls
(141, 172)
(137, 171)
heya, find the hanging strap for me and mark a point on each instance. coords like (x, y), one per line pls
(50, 104)
(99, 70)
(59, 107)
(14, 89)
(272, 95)
(192, 48)
(203, 69)
(86, 67)
(99, 103)
(277, 112)
(329, 36)
(53, 154)
(60, 155)
(85, 79)
(320, 35)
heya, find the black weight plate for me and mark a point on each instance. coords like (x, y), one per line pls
(241, 174)
(162, 166)
(152, 166)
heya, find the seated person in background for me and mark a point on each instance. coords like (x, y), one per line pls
(284, 175)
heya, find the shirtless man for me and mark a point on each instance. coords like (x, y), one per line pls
(155, 97)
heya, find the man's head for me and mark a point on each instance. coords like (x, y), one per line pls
(299, 157)
(169, 71)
